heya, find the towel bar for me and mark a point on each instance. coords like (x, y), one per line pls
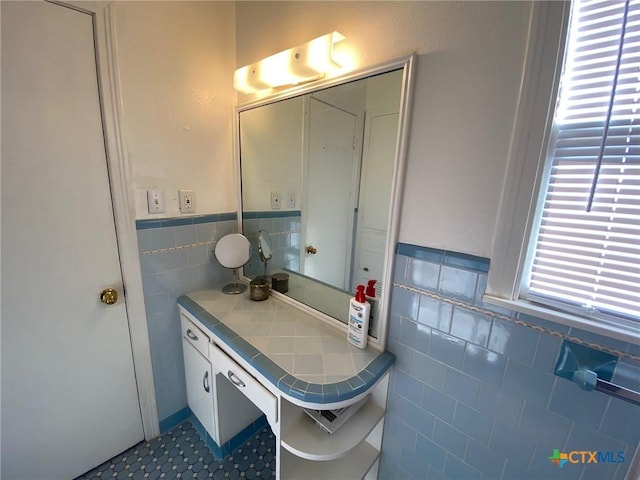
(617, 391)
(592, 369)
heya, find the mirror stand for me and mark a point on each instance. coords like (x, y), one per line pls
(236, 287)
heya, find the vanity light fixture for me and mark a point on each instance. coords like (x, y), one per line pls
(304, 63)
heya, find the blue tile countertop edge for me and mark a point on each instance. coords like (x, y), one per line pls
(285, 382)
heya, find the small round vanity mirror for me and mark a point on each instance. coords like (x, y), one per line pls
(264, 246)
(264, 249)
(233, 251)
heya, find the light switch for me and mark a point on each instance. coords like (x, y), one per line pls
(155, 201)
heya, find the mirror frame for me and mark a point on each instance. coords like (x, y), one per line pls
(407, 64)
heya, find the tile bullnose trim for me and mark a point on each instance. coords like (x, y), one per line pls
(446, 257)
(271, 214)
(148, 223)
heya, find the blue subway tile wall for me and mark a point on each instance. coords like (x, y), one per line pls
(176, 257)
(284, 230)
(473, 392)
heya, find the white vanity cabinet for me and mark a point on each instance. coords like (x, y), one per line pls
(198, 375)
(303, 449)
(208, 394)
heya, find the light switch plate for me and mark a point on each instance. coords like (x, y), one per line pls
(291, 200)
(276, 200)
(155, 201)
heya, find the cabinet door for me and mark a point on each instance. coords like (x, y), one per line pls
(200, 385)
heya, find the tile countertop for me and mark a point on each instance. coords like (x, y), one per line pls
(300, 355)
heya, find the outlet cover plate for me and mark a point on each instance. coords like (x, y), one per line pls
(187, 200)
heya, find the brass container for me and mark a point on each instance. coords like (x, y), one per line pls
(259, 289)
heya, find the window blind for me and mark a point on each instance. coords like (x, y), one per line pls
(586, 251)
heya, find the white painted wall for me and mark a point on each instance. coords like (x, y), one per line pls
(176, 70)
(176, 62)
(471, 56)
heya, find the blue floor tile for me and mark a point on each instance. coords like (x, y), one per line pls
(181, 453)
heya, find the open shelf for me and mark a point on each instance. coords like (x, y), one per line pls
(350, 467)
(304, 438)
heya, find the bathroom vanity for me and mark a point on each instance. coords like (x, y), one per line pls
(286, 359)
(246, 359)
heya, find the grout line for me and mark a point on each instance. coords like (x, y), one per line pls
(537, 328)
(604, 415)
(171, 249)
(271, 234)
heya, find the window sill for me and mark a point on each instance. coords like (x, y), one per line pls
(625, 330)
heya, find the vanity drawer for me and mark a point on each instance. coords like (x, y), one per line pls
(247, 384)
(195, 336)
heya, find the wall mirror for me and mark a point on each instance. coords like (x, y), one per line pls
(321, 171)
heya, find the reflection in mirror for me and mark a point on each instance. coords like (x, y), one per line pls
(317, 174)
(264, 248)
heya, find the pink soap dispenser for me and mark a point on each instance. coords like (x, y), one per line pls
(370, 295)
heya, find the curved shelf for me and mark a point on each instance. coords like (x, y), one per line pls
(351, 467)
(302, 437)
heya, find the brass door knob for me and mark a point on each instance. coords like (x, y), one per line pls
(311, 250)
(109, 296)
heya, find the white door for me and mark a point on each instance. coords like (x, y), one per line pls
(378, 159)
(69, 398)
(330, 192)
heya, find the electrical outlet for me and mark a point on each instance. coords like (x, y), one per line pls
(291, 200)
(155, 201)
(275, 200)
(187, 201)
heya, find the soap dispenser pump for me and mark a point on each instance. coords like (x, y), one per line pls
(370, 296)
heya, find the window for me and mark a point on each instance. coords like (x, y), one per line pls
(567, 240)
(586, 243)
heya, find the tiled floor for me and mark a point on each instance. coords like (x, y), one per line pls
(181, 453)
